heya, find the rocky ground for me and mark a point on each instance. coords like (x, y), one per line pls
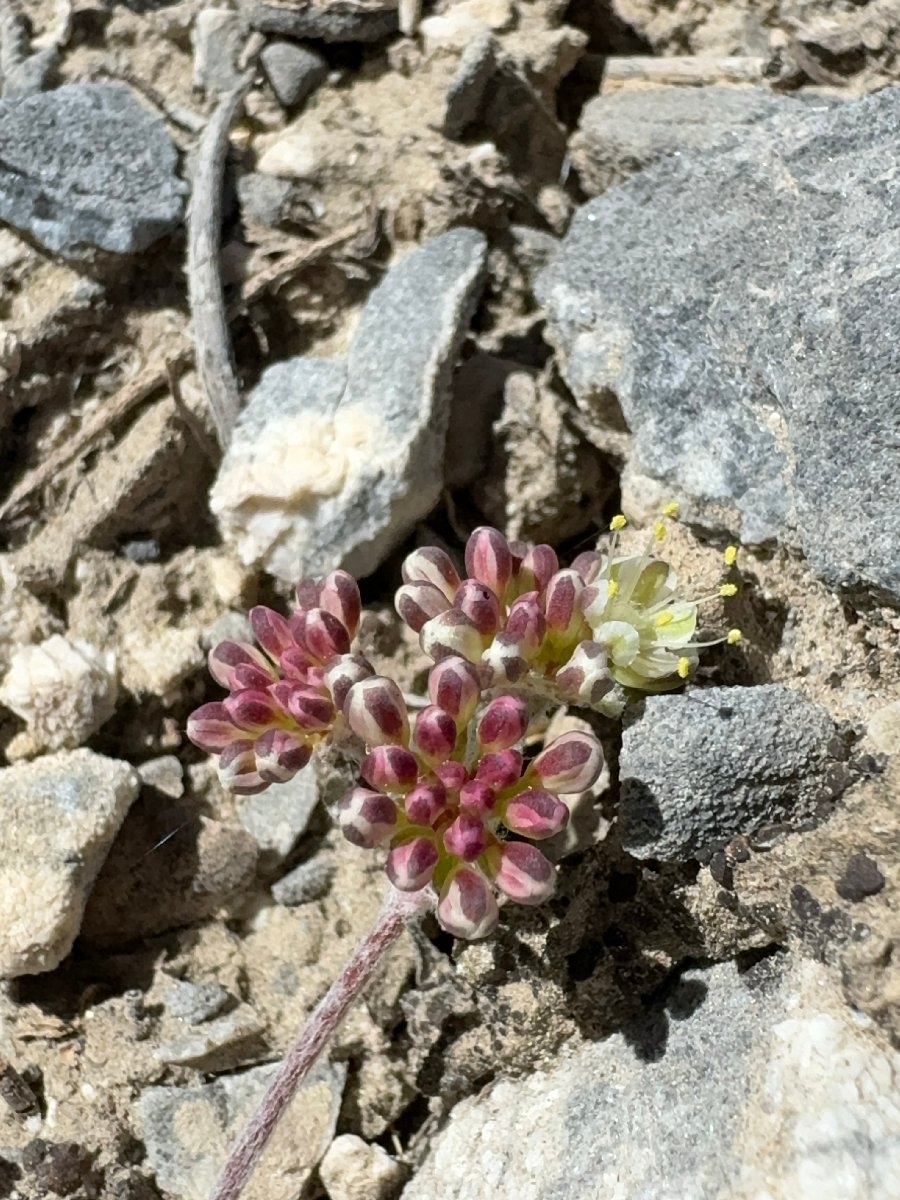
(503, 261)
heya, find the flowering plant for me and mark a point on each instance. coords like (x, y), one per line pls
(448, 794)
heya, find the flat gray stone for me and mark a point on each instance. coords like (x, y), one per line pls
(59, 816)
(188, 1131)
(293, 71)
(623, 132)
(734, 306)
(310, 881)
(87, 167)
(468, 87)
(195, 1002)
(332, 463)
(278, 818)
(699, 768)
(750, 1084)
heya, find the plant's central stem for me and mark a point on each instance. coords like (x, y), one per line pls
(399, 908)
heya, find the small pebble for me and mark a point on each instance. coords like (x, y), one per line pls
(293, 71)
(310, 881)
(860, 879)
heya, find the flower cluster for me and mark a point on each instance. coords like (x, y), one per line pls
(287, 692)
(445, 790)
(571, 634)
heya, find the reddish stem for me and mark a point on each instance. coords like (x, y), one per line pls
(399, 908)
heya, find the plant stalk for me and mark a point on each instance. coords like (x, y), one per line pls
(398, 909)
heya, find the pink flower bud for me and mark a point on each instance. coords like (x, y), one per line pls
(526, 625)
(476, 601)
(321, 634)
(453, 685)
(452, 775)
(538, 566)
(522, 872)
(503, 723)
(451, 633)
(435, 734)
(536, 814)
(271, 630)
(390, 768)
(211, 728)
(417, 603)
(366, 818)
(254, 711)
(426, 803)
(562, 609)
(585, 678)
(376, 711)
(410, 865)
(571, 762)
(280, 755)
(339, 595)
(588, 565)
(467, 907)
(501, 769)
(249, 676)
(297, 665)
(428, 564)
(489, 560)
(227, 656)
(237, 770)
(478, 797)
(502, 662)
(307, 592)
(341, 674)
(466, 838)
(312, 711)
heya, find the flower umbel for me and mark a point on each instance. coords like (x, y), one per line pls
(445, 803)
(569, 634)
(286, 692)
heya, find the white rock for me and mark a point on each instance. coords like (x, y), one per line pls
(355, 1170)
(158, 664)
(218, 36)
(64, 690)
(332, 462)
(464, 21)
(59, 815)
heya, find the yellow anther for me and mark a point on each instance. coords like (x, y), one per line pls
(659, 531)
(612, 588)
(683, 668)
(734, 636)
(618, 522)
(664, 618)
(728, 589)
(671, 510)
(730, 555)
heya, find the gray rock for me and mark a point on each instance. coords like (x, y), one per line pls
(310, 881)
(264, 198)
(227, 1042)
(219, 36)
(293, 71)
(188, 1131)
(738, 1084)
(335, 22)
(625, 131)
(699, 768)
(195, 1002)
(746, 343)
(60, 815)
(165, 774)
(32, 74)
(469, 84)
(331, 462)
(85, 167)
(278, 818)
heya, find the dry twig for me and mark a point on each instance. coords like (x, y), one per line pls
(215, 365)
